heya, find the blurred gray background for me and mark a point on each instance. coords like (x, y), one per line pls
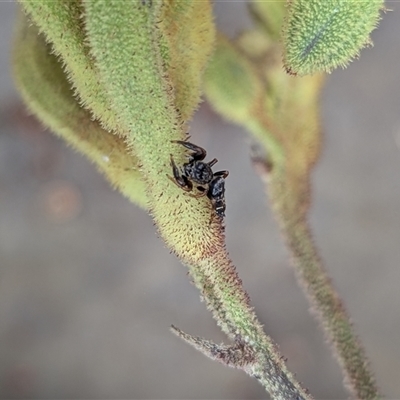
(88, 291)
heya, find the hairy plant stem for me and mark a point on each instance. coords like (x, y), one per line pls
(325, 301)
(282, 114)
(252, 350)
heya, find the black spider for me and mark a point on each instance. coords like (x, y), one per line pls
(198, 172)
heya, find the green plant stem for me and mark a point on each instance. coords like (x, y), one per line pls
(330, 310)
(290, 209)
(281, 112)
(224, 294)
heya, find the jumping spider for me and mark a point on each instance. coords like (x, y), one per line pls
(199, 173)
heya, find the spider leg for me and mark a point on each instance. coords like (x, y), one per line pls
(198, 153)
(212, 162)
(183, 183)
(224, 174)
(178, 179)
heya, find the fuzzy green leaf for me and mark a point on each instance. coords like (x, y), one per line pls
(48, 95)
(231, 83)
(61, 23)
(128, 55)
(188, 32)
(320, 35)
(126, 45)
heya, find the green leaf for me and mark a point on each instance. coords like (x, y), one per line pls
(320, 35)
(188, 32)
(61, 23)
(126, 46)
(48, 95)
